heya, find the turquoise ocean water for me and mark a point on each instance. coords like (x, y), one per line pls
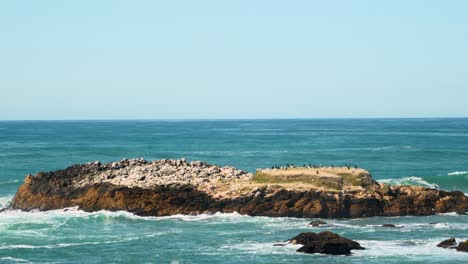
(429, 152)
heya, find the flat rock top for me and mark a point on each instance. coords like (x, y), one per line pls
(328, 178)
(147, 175)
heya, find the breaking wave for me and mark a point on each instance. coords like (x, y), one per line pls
(458, 173)
(457, 180)
(5, 201)
(413, 180)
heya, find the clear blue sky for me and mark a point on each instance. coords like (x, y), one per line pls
(233, 59)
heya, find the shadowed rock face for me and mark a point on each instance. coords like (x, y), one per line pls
(168, 187)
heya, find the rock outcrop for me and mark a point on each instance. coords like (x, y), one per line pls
(463, 246)
(167, 187)
(448, 243)
(325, 243)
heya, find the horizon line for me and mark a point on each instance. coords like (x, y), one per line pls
(226, 119)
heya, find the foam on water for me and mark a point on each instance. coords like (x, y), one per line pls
(64, 245)
(458, 173)
(74, 212)
(412, 180)
(5, 201)
(408, 247)
(9, 182)
(15, 260)
(266, 248)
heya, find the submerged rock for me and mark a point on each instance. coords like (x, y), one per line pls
(168, 187)
(279, 245)
(390, 225)
(317, 223)
(448, 243)
(325, 243)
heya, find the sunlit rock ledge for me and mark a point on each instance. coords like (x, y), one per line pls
(168, 187)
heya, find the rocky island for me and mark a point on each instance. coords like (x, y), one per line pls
(168, 187)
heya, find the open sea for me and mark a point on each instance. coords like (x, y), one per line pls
(428, 152)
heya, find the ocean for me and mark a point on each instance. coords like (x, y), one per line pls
(427, 152)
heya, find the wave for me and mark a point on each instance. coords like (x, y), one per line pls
(103, 215)
(8, 182)
(458, 173)
(262, 248)
(412, 180)
(457, 180)
(408, 247)
(64, 245)
(5, 201)
(16, 260)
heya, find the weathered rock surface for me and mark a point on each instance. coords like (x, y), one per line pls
(448, 243)
(167, 187)
(463, 246)
(325, 243)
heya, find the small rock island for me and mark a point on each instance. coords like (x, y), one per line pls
(168, 187)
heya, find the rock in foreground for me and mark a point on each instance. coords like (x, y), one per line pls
(168, 187)
(448, 243)
(325, 243)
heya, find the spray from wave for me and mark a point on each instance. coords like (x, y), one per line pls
(413, 180)
(457, 180)
(10, 182)
(5, 201)
(457, 173)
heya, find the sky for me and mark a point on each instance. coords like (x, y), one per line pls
(217, 59)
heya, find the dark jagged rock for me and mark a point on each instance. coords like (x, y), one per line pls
(317, 223)
(279, 245)
(448, 243)
(463, 246)
(325, 243)
(168, 187)
(389, 225)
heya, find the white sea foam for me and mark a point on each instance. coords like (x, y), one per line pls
(410, 247)
(5, 201)
(412, 180)
(9, 182)
(64, 245)
(265, 248)
(17, 260)
(450, 214)
(57, 216)
(202, 217)
(458, 173)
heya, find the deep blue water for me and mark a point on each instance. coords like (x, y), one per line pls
(432, 152)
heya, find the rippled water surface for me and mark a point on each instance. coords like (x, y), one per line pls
(430, 152)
